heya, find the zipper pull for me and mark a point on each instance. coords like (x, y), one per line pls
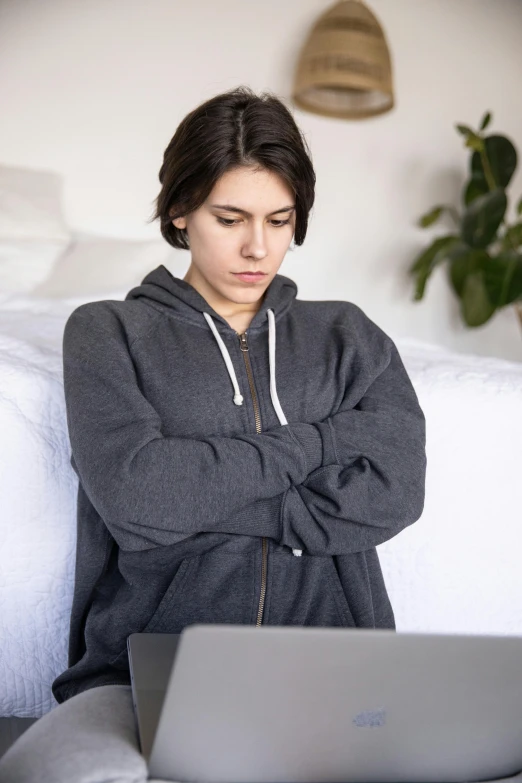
(243, 344)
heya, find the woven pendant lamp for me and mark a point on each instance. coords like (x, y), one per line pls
(344, 68)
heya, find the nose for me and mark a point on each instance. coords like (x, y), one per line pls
(255, 244)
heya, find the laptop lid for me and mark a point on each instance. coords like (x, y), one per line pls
(252, 704)
(151, 656)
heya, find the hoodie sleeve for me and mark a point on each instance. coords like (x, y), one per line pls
(371, 483)
(152, 490)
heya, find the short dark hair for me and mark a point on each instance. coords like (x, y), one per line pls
(235, 128)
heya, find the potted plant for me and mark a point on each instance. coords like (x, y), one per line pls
(484, 253)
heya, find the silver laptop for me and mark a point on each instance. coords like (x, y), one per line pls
(293, 704)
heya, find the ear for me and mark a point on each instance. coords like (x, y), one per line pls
(179, 222)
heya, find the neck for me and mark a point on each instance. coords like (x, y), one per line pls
(230, 311)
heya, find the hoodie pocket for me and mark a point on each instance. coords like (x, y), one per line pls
(215, 587)
(133, 624)
(306, 591)
(175, 587)
(342, 602)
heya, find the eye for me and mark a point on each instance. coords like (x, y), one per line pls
(226, 221)
(280, 223)
(230, 222)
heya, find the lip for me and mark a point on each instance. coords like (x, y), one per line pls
(250, 277)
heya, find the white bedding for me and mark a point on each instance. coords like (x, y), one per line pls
(38, 501)
(455, 570)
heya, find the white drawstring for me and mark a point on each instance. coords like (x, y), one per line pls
(238, 397)
(271, 360)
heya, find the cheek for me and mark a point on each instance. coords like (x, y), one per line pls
(212, 240)
(285, 235)
(216, 249)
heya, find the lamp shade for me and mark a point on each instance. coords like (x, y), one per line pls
(344, 68)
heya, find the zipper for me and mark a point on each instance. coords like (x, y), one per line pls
(243, 344)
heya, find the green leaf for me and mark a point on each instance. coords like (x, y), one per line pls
(512, 237)
(503, 278)
(502, 157)
(484, 283)
(483, 217)
(464, 129)
(467, 271)
(430, 217)
(427, 260)
(472, 139)
(476, 186)
(464, 261)
(475, 305)
(485, 121)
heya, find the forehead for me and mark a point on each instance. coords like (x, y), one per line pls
(252, 190)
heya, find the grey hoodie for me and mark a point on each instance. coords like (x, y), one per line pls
(228, 478)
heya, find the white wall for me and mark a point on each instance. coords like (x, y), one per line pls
(95, 90)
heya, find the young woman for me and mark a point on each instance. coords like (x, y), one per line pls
(240, 452)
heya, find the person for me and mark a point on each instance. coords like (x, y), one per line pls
(240, 452)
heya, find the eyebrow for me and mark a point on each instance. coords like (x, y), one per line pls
(230, 208)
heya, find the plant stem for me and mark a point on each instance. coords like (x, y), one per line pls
(490, 179)
(507, 278)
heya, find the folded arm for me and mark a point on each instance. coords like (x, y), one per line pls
(371, 483)
(152, 490)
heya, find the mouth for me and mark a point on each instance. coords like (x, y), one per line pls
(250, 277)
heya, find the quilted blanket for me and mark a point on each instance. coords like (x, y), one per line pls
(454, 571)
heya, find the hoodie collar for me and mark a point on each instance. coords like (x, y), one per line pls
(176, 294)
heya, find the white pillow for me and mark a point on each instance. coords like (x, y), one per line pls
(33, 231)
(96, 265)
(25, 263)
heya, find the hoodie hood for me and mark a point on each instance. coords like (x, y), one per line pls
(173, 293)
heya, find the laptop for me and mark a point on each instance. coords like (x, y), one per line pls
(292, 704)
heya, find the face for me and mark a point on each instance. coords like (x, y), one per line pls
(225, 240)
